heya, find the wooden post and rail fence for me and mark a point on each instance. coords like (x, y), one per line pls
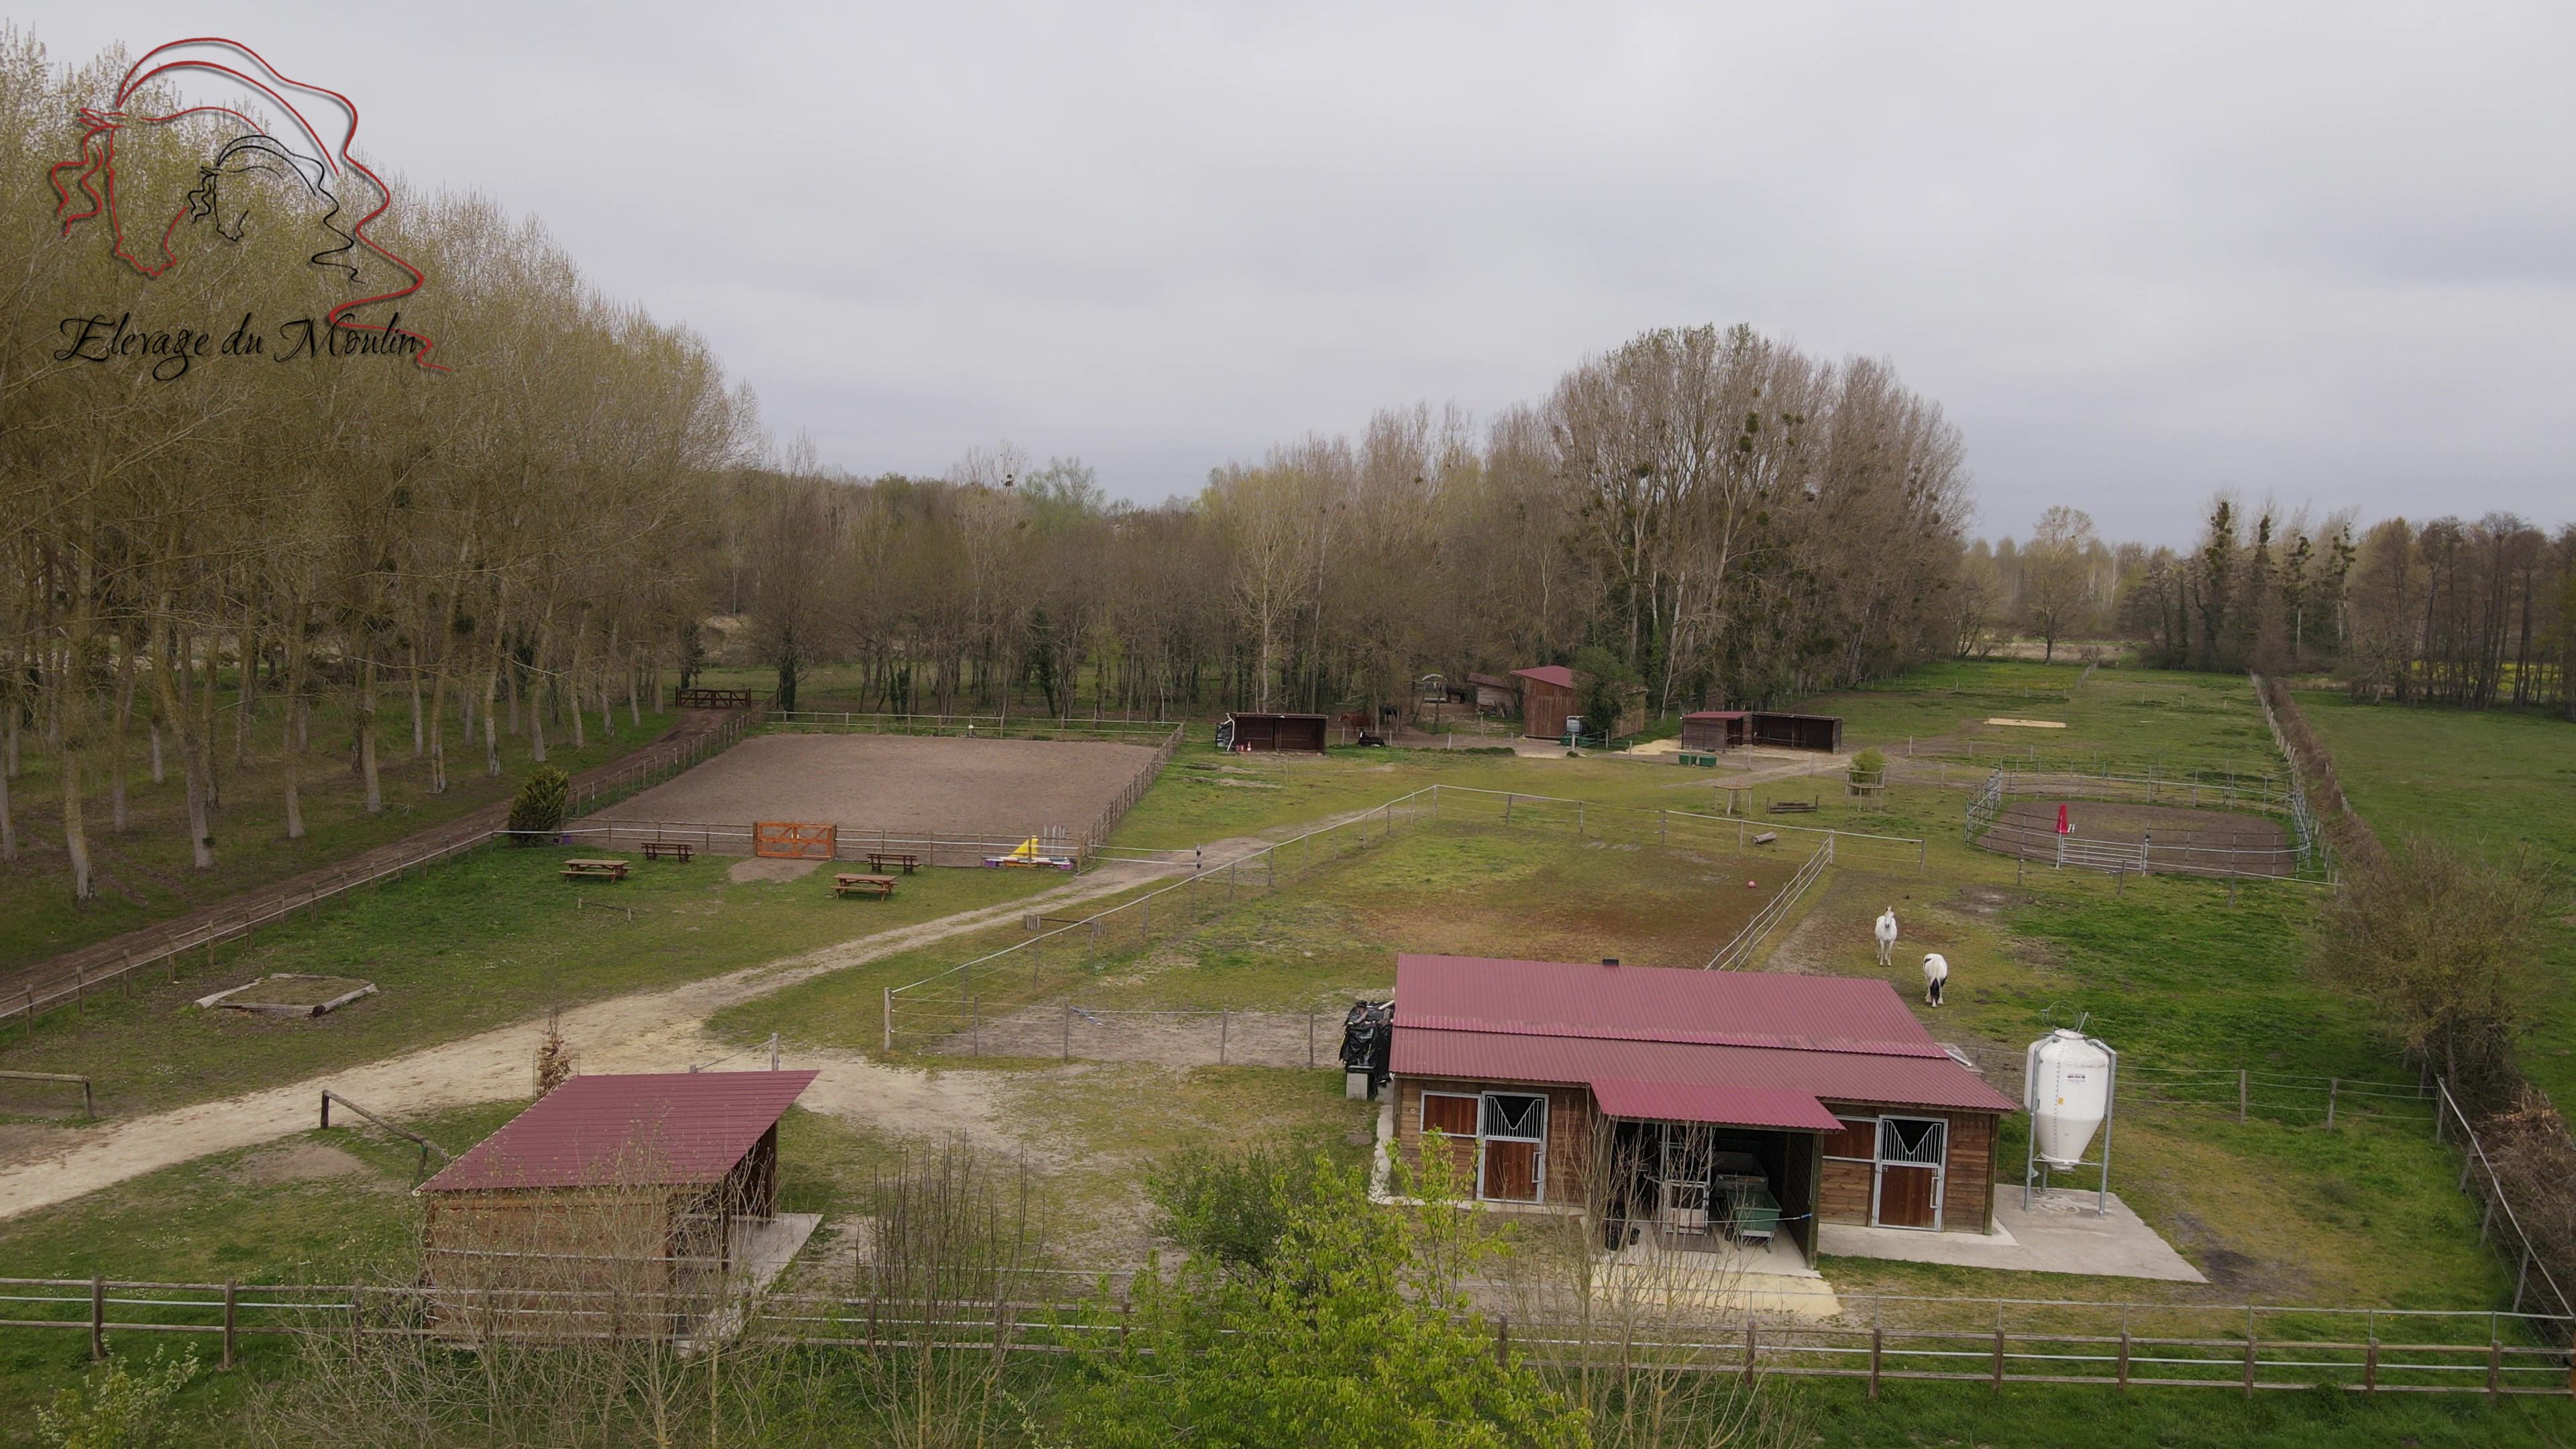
(1998, 1343)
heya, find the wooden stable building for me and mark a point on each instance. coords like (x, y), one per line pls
(1693, 1104)
(616, 1204)
(1797, 731)
(1549, 695)
(1266, 734)
(1716, 729)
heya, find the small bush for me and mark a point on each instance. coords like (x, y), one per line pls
(1868, 767)
(538, 811)
(1231, 1207)
(115, 1409)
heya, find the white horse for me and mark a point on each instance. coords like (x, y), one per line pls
(1936, 973)
(1887, 937)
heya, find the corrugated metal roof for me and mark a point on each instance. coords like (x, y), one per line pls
(1556, 674)
(1718, 714)
(1775, 1107)
(655, 1129)
(1653, 1003)
(1576, 1061)
(1836, 1038)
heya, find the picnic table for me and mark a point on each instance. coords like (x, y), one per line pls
(905, 860)
(1792, 807)
(880, 886)
(595, 869)
(679, 850)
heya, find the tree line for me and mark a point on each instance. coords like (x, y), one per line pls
(2473, 613)
(1708, 514)
(191, 531)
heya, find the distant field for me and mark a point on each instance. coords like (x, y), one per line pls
(2493, 780)
(2131, 717)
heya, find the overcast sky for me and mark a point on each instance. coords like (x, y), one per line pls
(2324, 252)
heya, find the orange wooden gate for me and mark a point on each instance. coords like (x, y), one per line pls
(794, 840)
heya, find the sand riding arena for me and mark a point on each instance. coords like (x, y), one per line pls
(2234, 825)
(950, 800)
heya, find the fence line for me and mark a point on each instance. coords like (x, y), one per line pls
(952, 1005)
(1738, 953)
(1997, 1341)
(953, 1001)
(979, 726)
(269, 906)
(1989, 824)
(2476, 1172)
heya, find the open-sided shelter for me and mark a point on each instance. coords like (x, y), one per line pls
(1264, 733)
(1690, 1103)
(1797, 731)
(1715, 729)
(615, 1204)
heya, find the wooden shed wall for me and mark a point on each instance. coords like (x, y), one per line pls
(1569, 1129)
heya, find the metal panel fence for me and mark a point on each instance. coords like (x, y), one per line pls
(1996, 1342)
(2304, 857)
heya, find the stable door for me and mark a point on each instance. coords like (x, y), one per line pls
(1913, 1158)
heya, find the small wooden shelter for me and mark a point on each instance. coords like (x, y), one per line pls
(1715, 729)
(1549, 694)
(1265, 734)
(1797, 731)
(616, 1204)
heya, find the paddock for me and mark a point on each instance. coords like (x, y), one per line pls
(2162, 839)
(903, 787)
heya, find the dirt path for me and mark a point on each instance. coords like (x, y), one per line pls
(50, 975)
(648, 1031)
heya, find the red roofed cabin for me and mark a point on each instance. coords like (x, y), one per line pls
(616, 1204)
(1691, 1103)
(1548, 695)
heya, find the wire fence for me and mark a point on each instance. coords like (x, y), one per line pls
(973, 726)
(2293, 850)
(952, 1006)
(1797, 1332)
(955, 1002)
(1738, 953)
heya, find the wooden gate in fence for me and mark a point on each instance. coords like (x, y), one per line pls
(794, 840)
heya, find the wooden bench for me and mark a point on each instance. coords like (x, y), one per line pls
(905, 860)
(595, 869)
(880, 886)
(679, 850)
(1792, 807)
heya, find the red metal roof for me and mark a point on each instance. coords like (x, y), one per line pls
(1556, 674)
(657, 1129)
(1834, 1038)
(1775, 1107)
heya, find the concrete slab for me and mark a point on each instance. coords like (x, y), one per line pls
(1723, 1282)
(2060, 1234)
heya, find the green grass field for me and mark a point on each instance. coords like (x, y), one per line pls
(2494, 781)
(2129, 717)
(494, 938)
(146, 875)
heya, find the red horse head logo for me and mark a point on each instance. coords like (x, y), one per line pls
(309, 149)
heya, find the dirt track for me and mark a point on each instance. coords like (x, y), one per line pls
(660, 1031)
(986, 789)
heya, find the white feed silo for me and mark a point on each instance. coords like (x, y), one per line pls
(2066, 1088)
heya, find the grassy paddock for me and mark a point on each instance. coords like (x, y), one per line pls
(146, 875)
(494, 938)
(2125, 716)
(2494, 781)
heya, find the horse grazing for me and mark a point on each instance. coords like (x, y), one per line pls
(1887, 937)
(1936, 974)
